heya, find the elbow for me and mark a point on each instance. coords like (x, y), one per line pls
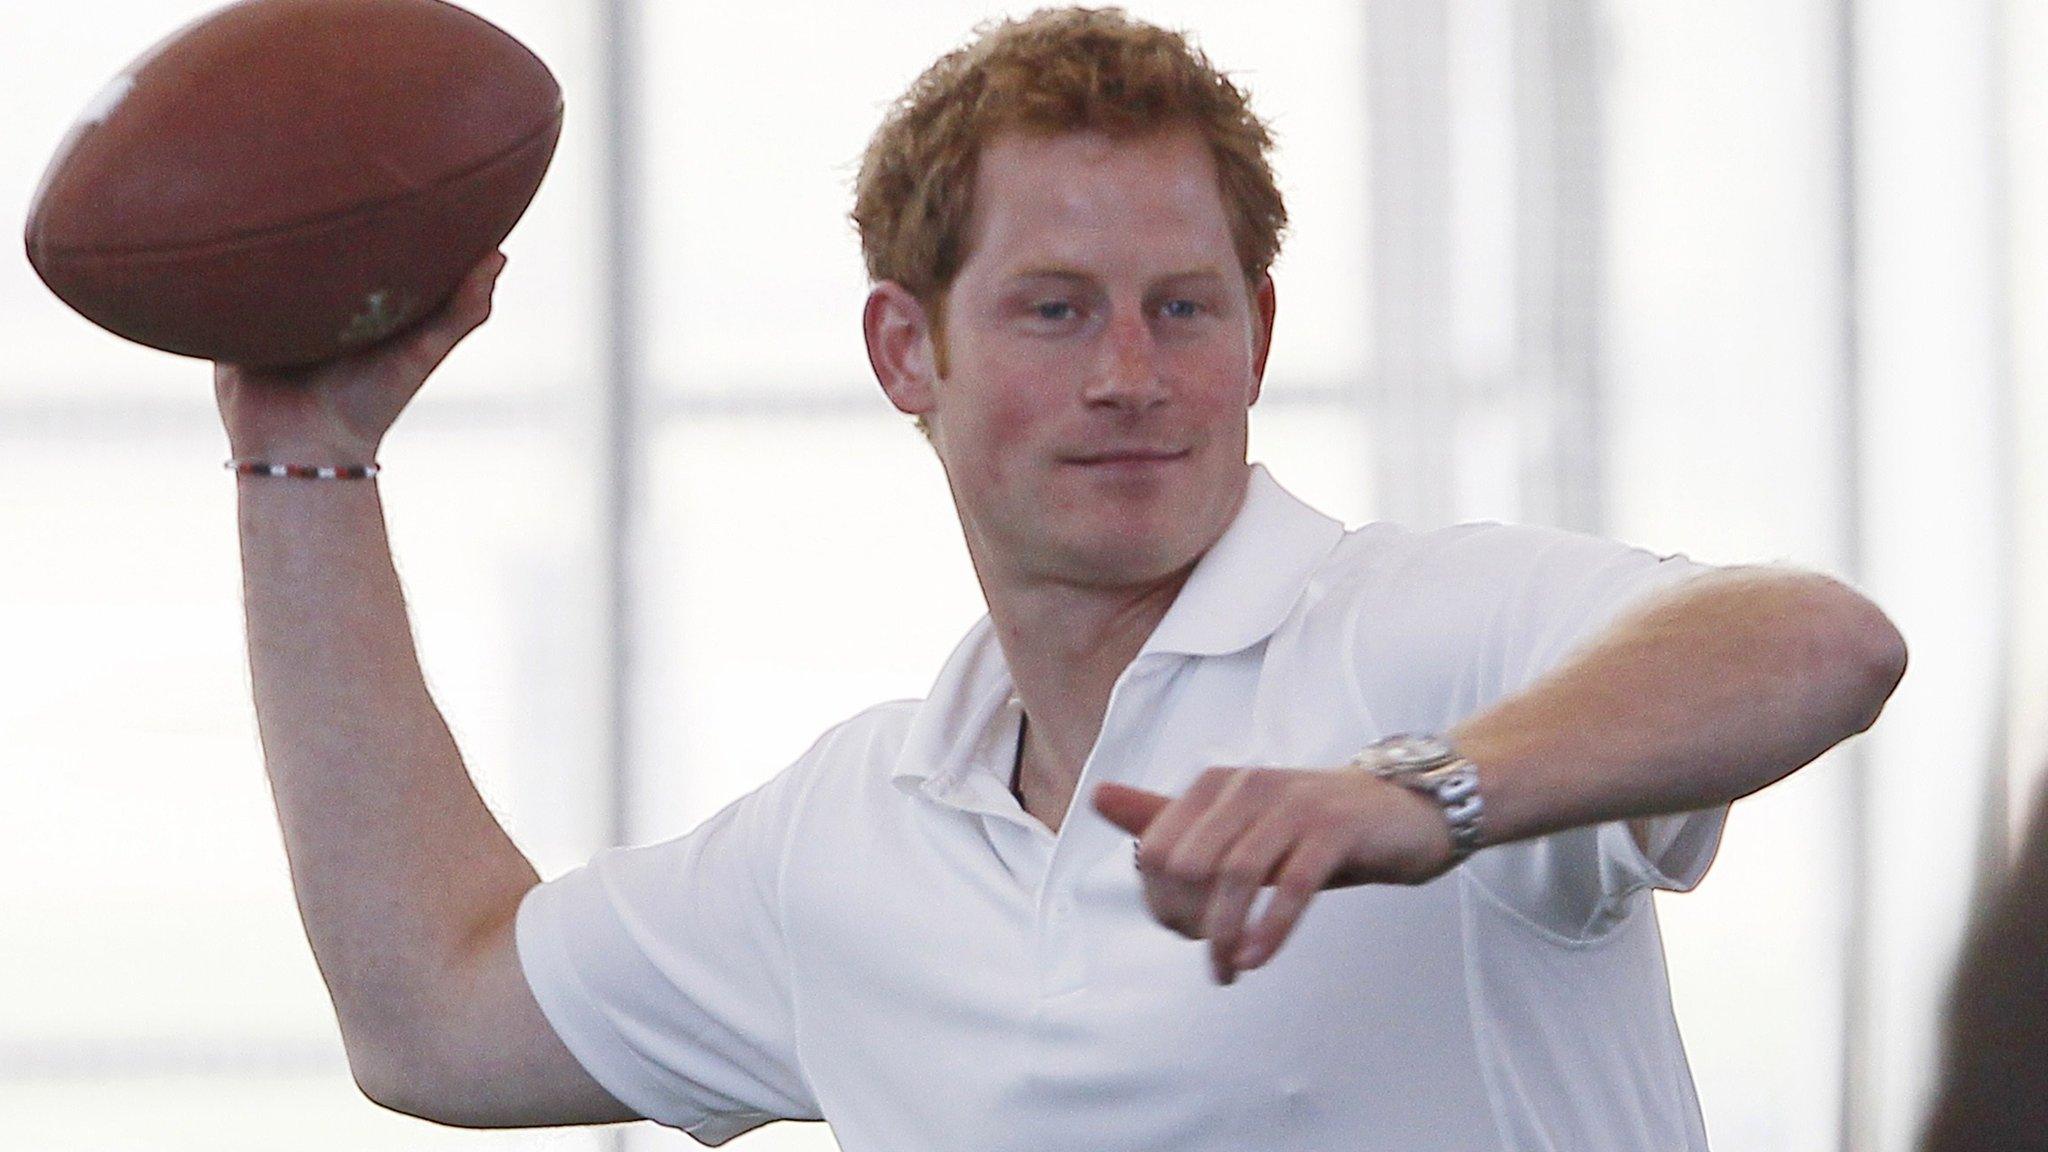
(1870, 654)
(1887, 666)
(393, 1076)
(381, 1076)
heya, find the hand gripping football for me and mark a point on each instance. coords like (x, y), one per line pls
(286, 181)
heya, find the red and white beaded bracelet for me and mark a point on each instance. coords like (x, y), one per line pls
(304, 471)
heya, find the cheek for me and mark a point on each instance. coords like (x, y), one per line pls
(993, 436)
(1013, 414)
(1222, 399)
(1215, 375)
(1007, 411)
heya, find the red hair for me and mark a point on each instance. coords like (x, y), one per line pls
(1058, 70)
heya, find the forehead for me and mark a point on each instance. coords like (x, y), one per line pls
(1095, 202)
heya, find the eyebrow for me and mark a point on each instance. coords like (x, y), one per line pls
(1201, 274)
(1055, 272)
(1050, 274)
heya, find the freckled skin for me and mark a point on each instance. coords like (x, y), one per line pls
(1101, 310)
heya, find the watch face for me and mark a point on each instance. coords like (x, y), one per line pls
(1410, 750)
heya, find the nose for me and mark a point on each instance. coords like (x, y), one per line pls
(1129, 373)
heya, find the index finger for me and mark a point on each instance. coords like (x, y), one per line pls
(1177, 815)
(1131, 809)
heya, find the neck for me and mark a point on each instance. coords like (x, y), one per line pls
(1065, 647)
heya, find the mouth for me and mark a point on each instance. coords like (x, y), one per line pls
(1128, 457)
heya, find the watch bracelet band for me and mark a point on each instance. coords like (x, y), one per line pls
(1430, 767)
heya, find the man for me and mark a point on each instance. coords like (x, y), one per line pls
(1397, 799)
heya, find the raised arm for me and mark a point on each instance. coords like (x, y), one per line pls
(406, 883)
(1712, 690)
(1707, 693)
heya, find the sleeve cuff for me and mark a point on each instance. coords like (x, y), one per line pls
(1681, 847)
(596, 1041)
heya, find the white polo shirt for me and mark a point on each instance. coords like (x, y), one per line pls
(880, 936)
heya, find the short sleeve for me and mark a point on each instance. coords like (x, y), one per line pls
(665, 970)
(1476, 613)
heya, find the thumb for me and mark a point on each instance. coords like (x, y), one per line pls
(1131, 809)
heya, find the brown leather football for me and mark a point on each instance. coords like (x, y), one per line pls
(285, 181)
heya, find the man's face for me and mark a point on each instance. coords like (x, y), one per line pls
(1103, 350)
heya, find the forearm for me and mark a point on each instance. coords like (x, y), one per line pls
(395, 860)
(1715, 689)
(1708, 693)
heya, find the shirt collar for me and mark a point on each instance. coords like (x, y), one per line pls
(962, 725)
(1240, 592)
(1251, 578)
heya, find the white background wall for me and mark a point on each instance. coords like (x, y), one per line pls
(1815, 347)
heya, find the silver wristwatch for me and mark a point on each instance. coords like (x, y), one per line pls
(1430, 766)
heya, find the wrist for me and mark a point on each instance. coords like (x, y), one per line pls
(1405, 839)
(271, 469)
(303, 449)
(1436, 773)
(291, 421)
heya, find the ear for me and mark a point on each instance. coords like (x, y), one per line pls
(1264, 306)
(899, 339)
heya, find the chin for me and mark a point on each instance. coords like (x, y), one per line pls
(1124, 560)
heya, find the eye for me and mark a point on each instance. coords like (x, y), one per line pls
(1053, 310)
(1181, 309)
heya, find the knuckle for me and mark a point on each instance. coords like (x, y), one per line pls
(1298, 883)
(1242, 871)
(1186, 865)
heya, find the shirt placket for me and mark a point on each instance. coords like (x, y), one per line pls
(1085, 837)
